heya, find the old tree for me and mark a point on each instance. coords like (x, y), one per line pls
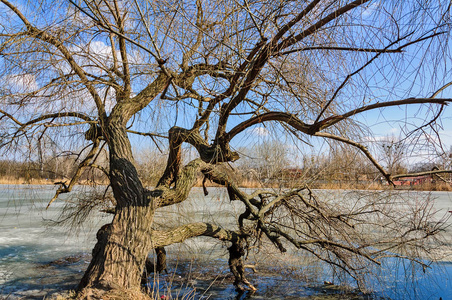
(93, 75)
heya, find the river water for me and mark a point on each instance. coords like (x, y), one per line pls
(38, 258)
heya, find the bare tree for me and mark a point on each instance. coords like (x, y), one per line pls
(265, 161)
(393, 152)
(93, 74)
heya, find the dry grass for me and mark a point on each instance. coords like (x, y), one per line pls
(64, 296)
(18, 181)
(348, 186)
(249, 183)
(438, 186)
(14, 181)
(344, 185)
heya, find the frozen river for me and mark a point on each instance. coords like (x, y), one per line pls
(29, 247)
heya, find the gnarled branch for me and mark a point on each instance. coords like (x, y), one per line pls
(184, 232)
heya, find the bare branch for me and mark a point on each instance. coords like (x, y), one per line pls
(184, 232)
(360, 147)
(66, 188)
(46, 37)
(368, 50)
(337, 118)
(334, 15)
(426, 173)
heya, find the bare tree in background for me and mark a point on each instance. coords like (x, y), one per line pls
(93, 74)
(393, 153)
(265, 161)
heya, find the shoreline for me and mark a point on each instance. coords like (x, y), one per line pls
(441, 187)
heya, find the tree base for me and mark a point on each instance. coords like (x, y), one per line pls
(115, 294)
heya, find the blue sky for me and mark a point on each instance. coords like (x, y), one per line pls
(384, 84)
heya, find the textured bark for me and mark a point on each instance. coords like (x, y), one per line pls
(121, 250)
(122, 247)
(119, 256)
(160, 262)
(181, 233)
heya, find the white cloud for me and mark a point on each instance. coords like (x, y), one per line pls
(100, 48)
(393, 135)
(21, 83)
(101, 53)
(259, 131)
(375, 138)
(446, 137)
(370, 9)
(394, 131)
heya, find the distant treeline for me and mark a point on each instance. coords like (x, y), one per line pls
(51, 170)
(270, 167)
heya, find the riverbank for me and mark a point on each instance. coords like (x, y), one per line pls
(322, 185)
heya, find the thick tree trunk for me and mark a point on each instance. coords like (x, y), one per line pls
(121, 250)
(120, 253)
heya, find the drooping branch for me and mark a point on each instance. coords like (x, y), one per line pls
(315, 129)
(107, 27)
(46, 117)
(157, 54)
(312, 129)
(199, 36)
(438, 114)
(365, 65)
(352, 49)
(126, 89)
(21, 130)
(11, 117)
(295, 20)
(129, 107)
(332, 16)
(316, 227)
(270, 116)
(150, 134)
(89, 159)
(361, 147)
(46, 37)
(337, 118)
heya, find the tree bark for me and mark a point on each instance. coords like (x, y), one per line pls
(121, 250)
(123, 245)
